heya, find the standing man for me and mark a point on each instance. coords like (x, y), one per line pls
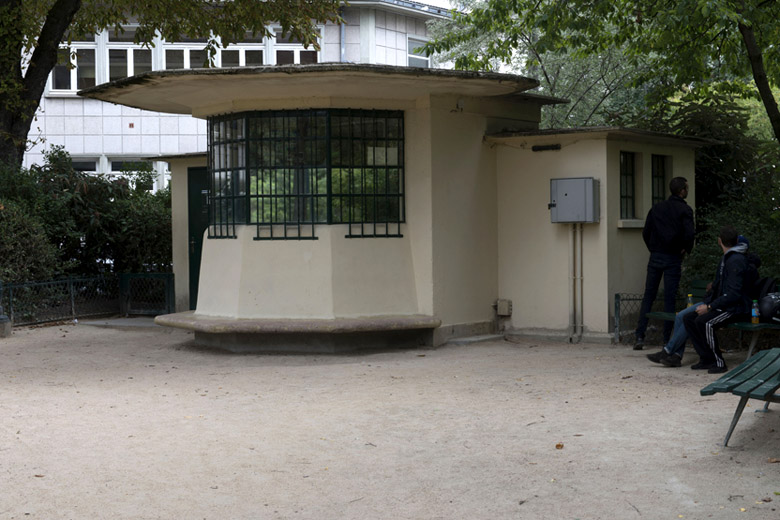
(728, 300)
(668, 234)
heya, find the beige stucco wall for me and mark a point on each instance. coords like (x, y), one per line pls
(535, 269)
(180, 235)
(534, 262)
(330, 277)
(464, 216)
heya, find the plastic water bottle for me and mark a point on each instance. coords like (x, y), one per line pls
(690, 300)
(754, 314)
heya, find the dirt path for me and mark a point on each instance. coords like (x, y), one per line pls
(101, 423)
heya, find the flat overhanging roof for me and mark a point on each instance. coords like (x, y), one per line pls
(211, 91)
(600, 132)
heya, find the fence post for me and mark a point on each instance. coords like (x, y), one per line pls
(72, 298)
(617, 318)
(5, 321)
(169, 293)
(124, 294)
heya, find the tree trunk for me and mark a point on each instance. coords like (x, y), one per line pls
(759, 76)
(22, 93)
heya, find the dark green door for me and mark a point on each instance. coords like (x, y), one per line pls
(197, 197)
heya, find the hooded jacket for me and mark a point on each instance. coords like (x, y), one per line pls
(733, 281)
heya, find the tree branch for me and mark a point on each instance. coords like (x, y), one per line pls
(760, 78)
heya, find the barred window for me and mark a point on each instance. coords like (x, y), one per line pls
(659, 178)
(627, 182)
(285, 171)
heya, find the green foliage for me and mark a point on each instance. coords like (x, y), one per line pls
(25, 254)
(92, 224)
(755, 214)
(675, 43)
(595, 85)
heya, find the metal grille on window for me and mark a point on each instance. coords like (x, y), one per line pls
(659, 178)
(307, 167)
(227, 162)
(627, 185)
(367, 172)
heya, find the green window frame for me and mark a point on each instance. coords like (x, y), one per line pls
(627, 185)
(659, 177)
(286, 171)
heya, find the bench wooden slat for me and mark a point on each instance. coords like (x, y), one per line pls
(765, 383)
(668, 316)
(745, 371)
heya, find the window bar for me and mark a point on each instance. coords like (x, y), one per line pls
(329, 169)
(286, 135)
(401, 173)
(351, 195)
(387, 179)
(373, 169)
(210, 162)
(364, 200)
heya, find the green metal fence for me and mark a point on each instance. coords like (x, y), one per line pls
(29, 303)
(627, 307)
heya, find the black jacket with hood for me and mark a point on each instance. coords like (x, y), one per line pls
(733, 282)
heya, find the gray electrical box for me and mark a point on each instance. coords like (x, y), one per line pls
(574, 200)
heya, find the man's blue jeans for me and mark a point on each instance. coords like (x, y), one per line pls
(676, 345)
(668, 267)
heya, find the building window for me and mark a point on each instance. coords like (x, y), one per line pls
(415, 55)
(85, 165)
(75, 67)
(627, 185)
(289, 50)
(124, 57)
(659, 177)
(285, 171)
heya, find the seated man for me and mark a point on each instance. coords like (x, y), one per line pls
(672, 353)
(727, 302)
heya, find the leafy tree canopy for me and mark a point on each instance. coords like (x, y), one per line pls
(678, 43)
(33, 30)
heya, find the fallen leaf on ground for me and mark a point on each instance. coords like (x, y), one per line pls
(39, 476)
(774, 461)
(559, 446)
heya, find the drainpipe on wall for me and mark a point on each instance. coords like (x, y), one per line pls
(572, 284)
(580, 286)
(576, 284)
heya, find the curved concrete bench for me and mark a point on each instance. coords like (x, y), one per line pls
(271, 335)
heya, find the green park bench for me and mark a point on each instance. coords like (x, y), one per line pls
(698, 289)
(758, 377)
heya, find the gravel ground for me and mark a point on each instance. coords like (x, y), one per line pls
(140, 423)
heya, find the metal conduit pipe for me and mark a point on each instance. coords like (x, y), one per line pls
(572, 286)
(342, 38)
(580, 286)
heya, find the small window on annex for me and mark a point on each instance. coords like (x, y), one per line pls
(286, 171)
(627, 185)
(659, 177)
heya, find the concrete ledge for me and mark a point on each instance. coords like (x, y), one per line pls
(305, 335)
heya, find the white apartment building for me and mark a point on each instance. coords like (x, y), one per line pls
(101, 136)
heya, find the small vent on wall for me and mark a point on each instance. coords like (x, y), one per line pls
(545, 147)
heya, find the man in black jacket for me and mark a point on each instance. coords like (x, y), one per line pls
(728, 300)
(668, 234)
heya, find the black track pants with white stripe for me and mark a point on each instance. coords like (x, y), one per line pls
(701, 330)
